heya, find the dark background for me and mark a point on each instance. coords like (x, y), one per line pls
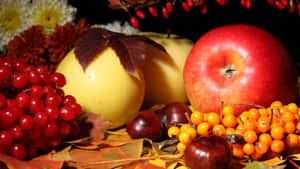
(192, 25)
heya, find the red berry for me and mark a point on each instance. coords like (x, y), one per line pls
(33, 76)
(69, 99)
(16, 131)
(67, 113)
(19, 65)
(270, 2)
(52, 112)
(36, 105)
(41, 118)
(58, 79)
(222, 2)
(185, 7)
(26, 122)
(279, 5)
(292, 8)
(52, 100)
(42, 69)
(34, 133)
(285, 2)
(204, 8)
(54, 141)
(140, 14)
(64, 128)
(8, 116)
(19, 80)
(50, 129)
(298, 6)
(18, 151)
(7, 63)
(153, 11)
(22, 100)
(2, 101)
(48, 90)
(5, 73)
(60, 92)
(134, 22)
(44, 78)
(31, 151)
(6, 138)
(169, 7)
(165, 13)
(190, 3)
(36, 91)
(76, 108)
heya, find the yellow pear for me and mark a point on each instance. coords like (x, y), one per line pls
(163, 72)
(104, 87)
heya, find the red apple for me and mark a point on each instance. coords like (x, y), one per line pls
(239, 64)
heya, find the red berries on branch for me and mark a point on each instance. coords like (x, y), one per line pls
(163, 8)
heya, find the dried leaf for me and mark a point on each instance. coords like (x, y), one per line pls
(259, 165)
(129, 48)
(12, 163)
(273, 162)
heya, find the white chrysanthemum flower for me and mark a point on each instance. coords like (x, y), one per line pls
(13, 19)
(49, 13)
(117, 26)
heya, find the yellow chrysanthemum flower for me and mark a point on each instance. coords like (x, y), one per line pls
(13, 19)
(49, 13)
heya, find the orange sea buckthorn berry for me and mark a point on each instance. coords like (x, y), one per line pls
(253, 114)
(292, 107)
(262, 112)
(288, 116)
(237, 150)
(218, 130)
(276, 104)
(203, 129)
(265, 138)
(180, 147)
(250, 136)
(261, 148)
(291, 140)
(263, 124)
(173, 131)
(298, 125)
(213, 118)
(184, 127)
(250, 124)
(192, 132)
(230, 131)
(277, 146)
(289, 127)
(277, 132)
(184, 137)
(256, 155)
(248, 148)
(227, 110)
(196, 117)
(240, 129)
(229, 121)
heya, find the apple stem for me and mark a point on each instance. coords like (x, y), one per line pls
(248, 104)
(228, 71)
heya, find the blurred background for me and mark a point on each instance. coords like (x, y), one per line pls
(282, 24)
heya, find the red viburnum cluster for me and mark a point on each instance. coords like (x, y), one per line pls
(35, 48)
(139, 9)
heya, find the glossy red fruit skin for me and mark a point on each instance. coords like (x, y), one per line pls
(255, 53)
(145, 125)
(173, 113)
(211, 152)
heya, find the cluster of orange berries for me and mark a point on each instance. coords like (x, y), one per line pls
(271, 130)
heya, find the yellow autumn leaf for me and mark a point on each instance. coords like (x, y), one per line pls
(158, 162)
(273, 162)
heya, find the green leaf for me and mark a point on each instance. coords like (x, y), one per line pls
(259, 165)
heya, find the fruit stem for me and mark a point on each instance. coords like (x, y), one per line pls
(248, 104)
(271, 120)
(221, 107)
(228, 71)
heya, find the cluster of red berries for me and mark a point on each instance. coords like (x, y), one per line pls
(35, 115)
(167, 8)
(265, 132)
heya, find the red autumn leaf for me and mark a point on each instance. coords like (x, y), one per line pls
(13, 163)
(130, 49)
